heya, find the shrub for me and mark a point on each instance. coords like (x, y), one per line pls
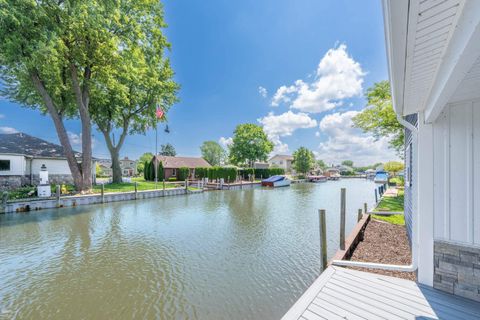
(172, 179)
(268, 172)
(182, 173)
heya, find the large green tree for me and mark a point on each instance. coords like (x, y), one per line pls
(72, 59)
(393, 167)
(146, 157)
(167, 150)
(303, 160)
(213, 152)
(140, 81)
(379, 118)
(250, 144)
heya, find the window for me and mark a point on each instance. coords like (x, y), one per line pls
(4, 165)
(174, 172)
(281, 161)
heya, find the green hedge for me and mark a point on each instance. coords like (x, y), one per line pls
(267, 173)
(149, 171)
(182, 173)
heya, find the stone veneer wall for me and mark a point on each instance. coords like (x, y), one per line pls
(457, 269)
(14, 182)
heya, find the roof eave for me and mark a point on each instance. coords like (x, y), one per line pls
(395, 16)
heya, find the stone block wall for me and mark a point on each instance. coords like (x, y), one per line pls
(457, 269)
(10, 182)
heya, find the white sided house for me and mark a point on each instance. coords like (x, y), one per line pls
(281, 161)
(22, 156)
(433, 50)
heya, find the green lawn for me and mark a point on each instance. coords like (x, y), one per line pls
(130, 186)
(393, 204)
(393, 219)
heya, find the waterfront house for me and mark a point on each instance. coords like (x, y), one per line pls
(129, 167)
(172, 164)
(281, 161)
(331, 172)
(433, 50)
(22, 156)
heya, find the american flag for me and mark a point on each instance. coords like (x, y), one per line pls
(159, 113)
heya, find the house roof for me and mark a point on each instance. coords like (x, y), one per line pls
(179, 162)
(27, 145)
(282, 156)
(433, 50)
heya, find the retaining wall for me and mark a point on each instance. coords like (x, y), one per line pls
(72, 201)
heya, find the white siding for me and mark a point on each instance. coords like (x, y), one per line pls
(54, 166)
(457, 173)
(17, 165)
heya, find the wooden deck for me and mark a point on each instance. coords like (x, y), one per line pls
(341, 293)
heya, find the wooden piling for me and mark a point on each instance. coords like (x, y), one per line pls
(365, 208)
(376, 196)
(360, 215)
(103, 192)
(136, 189)
(323, 238)
(57, 194)
(342, 217)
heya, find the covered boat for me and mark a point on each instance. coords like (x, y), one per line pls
(276, 181)
(317, 178)
(381, 177)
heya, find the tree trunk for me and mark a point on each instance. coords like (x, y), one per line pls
(115, 150)
(61, 132)
(83, 99)
(116, 169)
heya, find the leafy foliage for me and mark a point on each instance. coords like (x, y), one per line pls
(213, 153)
(250, 144)
(167, 150)
(393, 167)
(303, 160)
(147, 156)
(379, 118)
(182, 173)
(347, 163)
(268, 172)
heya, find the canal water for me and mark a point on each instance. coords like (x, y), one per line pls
(245, 254)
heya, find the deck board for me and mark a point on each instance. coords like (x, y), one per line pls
(341, 293)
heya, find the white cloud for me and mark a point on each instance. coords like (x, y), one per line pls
(276, 126)
(225, 142)
(345, 142)
(76, 139)
(286, 123)
(317, 134)
(338, 77)
(8, 130)
(262, 91)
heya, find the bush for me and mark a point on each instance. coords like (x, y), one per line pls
(145, 171)
(182, 173)
(172, 179)
(268, 172)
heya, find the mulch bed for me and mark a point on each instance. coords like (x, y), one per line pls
(384, 243)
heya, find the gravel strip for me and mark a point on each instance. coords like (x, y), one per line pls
(384, 243)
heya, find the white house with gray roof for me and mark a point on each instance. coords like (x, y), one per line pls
(22, 156)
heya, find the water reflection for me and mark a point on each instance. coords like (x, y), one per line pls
(245, 254)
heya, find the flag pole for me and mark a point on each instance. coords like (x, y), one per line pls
(156, 154)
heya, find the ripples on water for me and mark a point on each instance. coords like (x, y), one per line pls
(245, 254)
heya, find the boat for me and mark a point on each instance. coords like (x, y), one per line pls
(276, 181)
(316, 179)
(381, 177)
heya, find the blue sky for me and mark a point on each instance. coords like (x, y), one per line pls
(232, 57)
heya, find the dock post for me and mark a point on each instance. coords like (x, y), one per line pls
(365, 208)
(163, 193)
(342, 217)
(57, 194)
(186, 185)
(4, 200)
(103, 192)
(376, 196)
(323, 238)
(136, 189)
(359, 215)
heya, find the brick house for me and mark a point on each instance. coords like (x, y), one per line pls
(172, 164)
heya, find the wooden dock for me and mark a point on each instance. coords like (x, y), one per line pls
(341, 293)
